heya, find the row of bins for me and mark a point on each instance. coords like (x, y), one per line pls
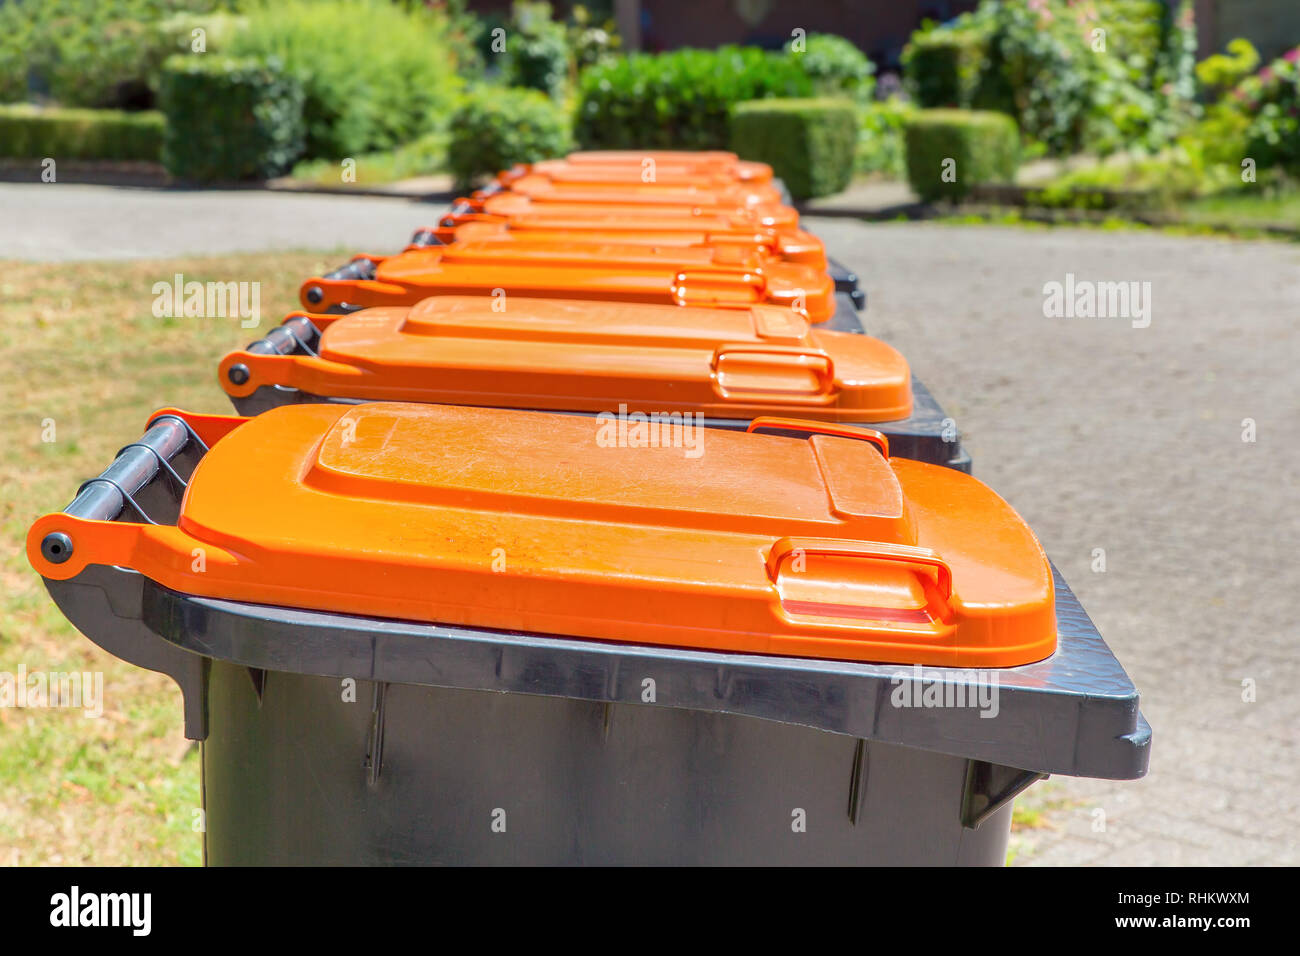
(591, 527)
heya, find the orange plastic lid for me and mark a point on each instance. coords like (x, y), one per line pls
(508, 204)
(626, 273)
(542, 188)
(575, 355)
(814, 546)
(797, 246)
(721, 162)
(700, 157)
(666, 170)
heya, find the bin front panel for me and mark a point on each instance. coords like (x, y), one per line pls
(298, 775)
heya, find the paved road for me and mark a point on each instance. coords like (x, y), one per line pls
(1101, 434)
(66, 222)
(1107, 436)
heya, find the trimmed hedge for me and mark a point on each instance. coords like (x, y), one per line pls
(984, 145)
(27, 132)
(942, 67)
(496, 128)
(678, 100)
(229, 119)
(809, 143)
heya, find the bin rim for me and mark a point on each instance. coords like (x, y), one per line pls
(1076, 713)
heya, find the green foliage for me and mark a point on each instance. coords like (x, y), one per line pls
(424, 156)
(17, 41)
(985, 147)
(880, 137)
(590, 42)
(809, 143)
(1089, 75)
(836, 67)
(374, 75)
(941, 67)
(1219, 73)
(1271, 99)
(1036, 72)
(230, 119)
(1127, 183)
(678, 100)
(28, 132)
(537, 49)
(496, 128)
(219, 31)
(84, 52)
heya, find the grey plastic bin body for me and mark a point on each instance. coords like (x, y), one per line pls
(450, 734)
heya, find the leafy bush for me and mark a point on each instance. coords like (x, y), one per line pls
(229, 119)
(28, 132)
(880, 137)
(16, 43)
(590, 42)
(1221, 72)
(941, 67)
(678, 100)
(84, 52)
(1271, 99)
(984, 148)
(808, 143)
(537, 49)
(374, 75)
(495, 129)
(1126, 183)
(836, 66)
(1044, 64)
(1037, 74)
(219, 31)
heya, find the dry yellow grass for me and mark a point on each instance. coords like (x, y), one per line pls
(80, 346)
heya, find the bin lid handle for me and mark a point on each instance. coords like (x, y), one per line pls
(809, 428)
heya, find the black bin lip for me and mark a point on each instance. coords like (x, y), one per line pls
(1075, 713)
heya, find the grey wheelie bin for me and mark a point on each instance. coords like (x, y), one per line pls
(724, 366)
(429, 634)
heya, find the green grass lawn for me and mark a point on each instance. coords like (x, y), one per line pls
(424, 157)
(79, 345)
(1246, 209)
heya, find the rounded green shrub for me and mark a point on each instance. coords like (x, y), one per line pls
(951, 151)
(496, 128)
(678, 100)
(809, 143)
(229, 119)
(835, 66)
(374, 75)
